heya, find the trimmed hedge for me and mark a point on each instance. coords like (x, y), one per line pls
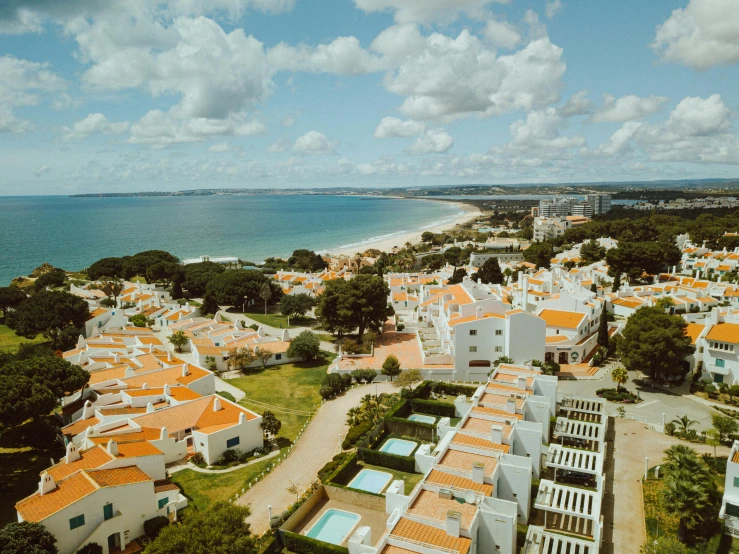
(342, 471)
(401, 409)
(300, 544)
(453, 389)
(356, 433)
(418, 429)
(390, 461)
(433, 407)
(331, 466)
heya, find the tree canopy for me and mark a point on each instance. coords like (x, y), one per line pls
(55, 373)
(57, 314)
(26, 538)
(52, 278)
(127, 267)
(591, 251)
(233, 286)
(219, 529)
(360, 303)
(292, 305)
(655, 343)
(306, 345)
(11, 298)
(539, 254)
(635, 258)
(197, 276)
(306, 260)
(490, 272)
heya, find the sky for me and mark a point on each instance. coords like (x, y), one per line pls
(142, 95)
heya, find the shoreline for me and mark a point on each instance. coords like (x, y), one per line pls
(385, 244)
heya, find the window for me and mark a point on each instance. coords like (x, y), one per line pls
(230, 443)
(719, 362)
(473, 348)
(163, 502)
(107, 512)
(498, 332)
(278, 356)
(499, 349)
(736, 481)
(473, 332)
(77, 521)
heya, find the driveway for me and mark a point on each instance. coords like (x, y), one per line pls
(655, 402)
(631, 442)
(320, 442)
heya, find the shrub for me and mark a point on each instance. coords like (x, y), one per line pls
(93, 548)
(153, 526)
(227, 395)
(344, 470)
(669, 428)
(334, 383)
(451, 389)
(390, 461)
(331, 466)
(228, 456)
(346, 380)
(350, 346)
(300, 544)
(368, 375)
(198, 459)
(433, 407)
(356, 433)
(400, 327)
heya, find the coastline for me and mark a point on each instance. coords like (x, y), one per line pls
(385, 244)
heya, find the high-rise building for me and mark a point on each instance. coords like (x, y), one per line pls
(601, 203)
(556, 207)
(582, 208)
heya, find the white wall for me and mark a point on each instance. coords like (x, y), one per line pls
(526, 337)
(213, 445)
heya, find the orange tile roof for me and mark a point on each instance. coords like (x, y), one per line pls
(196, 413)
(561, 318)
(551, 339)
(482, 410)
(414, 531)
(693, 330)
(137, 449)
(144, 434)
(165, 485)
(480, 425)
(470, 318)
(80, 425)
(390, 549)
(118, 476)
(724, 332)
(430, 504)
(464, 460)
(127, 410)
(89, 459)
(478, 442)
(735, 458)
(442, 478)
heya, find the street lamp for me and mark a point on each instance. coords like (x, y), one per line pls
(375, 391)
(269, 509)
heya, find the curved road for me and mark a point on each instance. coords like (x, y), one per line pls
(319, 443)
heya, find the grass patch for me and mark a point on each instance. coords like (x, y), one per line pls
(205, 488)
(9, 341)
(284, 390)
(276, 319)
(25, 451)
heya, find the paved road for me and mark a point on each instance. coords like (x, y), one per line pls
(622, 507)
(654, 403)
(319, 444)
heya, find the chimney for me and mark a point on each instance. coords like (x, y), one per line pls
(145, 386)
(151, 349)
(242, 418)
(73, 453)
(185, 370)
(130, 372)
(87, 410)
(167, 390)
(216, 404)
(478, 472)
(163, 434)
(169, 356)
(525, 292)
(496, 434)
(520, 280)
(117, 358)
(510, 405)
(521, 383)
(80, 342)
(478, 312)
(112, 448)
(150, 408)
(453, 523)
(46, 484)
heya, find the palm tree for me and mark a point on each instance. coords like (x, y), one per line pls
(353, 416)
(684, 422)
(619, 376)
(688, 498)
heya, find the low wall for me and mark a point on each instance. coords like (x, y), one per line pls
(356, 498)
(299, 514)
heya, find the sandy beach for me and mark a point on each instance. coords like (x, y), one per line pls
(469, 212)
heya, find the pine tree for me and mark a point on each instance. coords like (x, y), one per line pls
(603, 327)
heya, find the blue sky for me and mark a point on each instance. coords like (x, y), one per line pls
(133, 95)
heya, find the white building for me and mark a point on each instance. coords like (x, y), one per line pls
(546, 228)
(730, 503)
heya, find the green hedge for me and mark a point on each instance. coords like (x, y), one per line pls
(331, 466)
(454, 389)
(417, 429)
(402, 409)
(433, 407)
(343, 471)
(356, 433)
(390, 461)
(300, 544)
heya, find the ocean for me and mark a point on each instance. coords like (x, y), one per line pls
(71, 233)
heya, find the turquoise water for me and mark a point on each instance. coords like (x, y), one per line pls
(422, 418)
(74, 232)
(398, 446)
(334, 526)
(370, 480)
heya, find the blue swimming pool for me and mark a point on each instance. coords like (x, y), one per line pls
(422, 418)
(370, 480)
(401, 447)
(334, 526)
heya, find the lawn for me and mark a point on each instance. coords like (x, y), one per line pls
(24, 452)
(662, 526)
(9, 341)
(275, 319)
(289, 391)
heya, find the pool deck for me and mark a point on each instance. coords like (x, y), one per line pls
(372, 518)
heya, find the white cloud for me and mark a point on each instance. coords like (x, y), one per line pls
(552, 8)
(457, 77)
(314, 143)
(537, 29)
(703, 34)
(280, 146)
(40, 170)
(578, 104)
(426, 11)
(162, 128)
(435, 141)
(541, 131)
(343, 56)
(502, 34)
(394, 127)
(288, 121)
(627, 108)
(220, 147)
(21, 81)
(94, 123)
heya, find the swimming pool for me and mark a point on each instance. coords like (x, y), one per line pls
(400, 447)
(334, 526)
(422, 418)
(370, 480)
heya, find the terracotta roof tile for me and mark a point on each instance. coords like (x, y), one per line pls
(561, 318)
(442, 478)
(89, 459)
(412, 530)
(478, 442)
(724, 332)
